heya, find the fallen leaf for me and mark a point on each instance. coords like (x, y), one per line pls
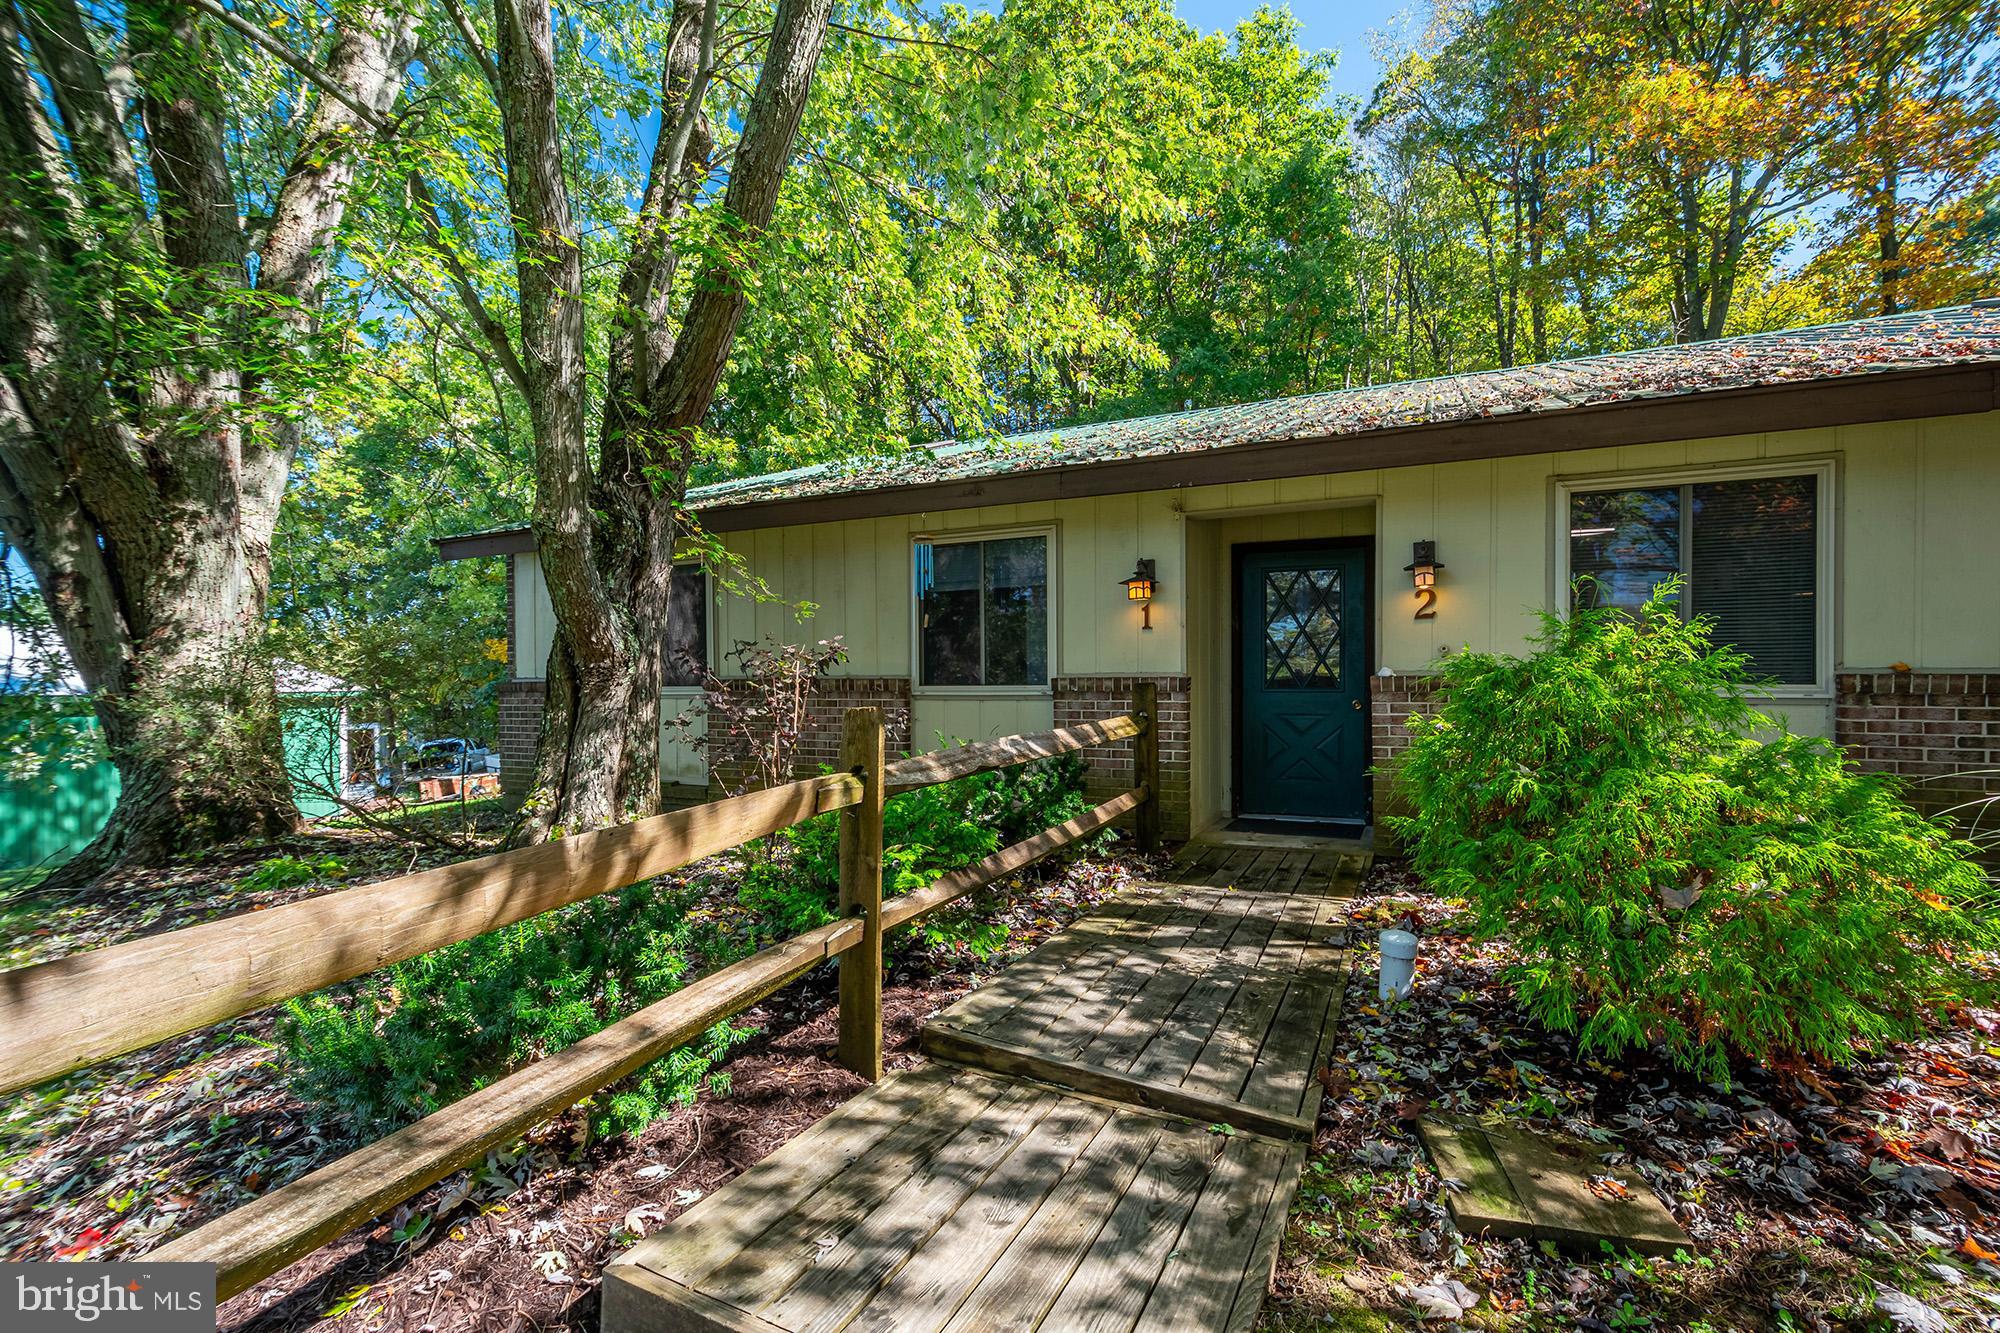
(1605, 1187)
(1908, 1313)
(1446, 1299)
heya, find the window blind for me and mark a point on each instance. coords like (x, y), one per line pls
(1749, 547)
(1756, 571)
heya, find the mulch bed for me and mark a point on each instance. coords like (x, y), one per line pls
(111, 1162)
(1864, 1197)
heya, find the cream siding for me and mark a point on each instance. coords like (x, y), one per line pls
(1916, 574)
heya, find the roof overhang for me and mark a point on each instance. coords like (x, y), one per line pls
(1847, 400)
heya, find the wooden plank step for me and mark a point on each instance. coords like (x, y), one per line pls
(984, 1051)
(1511, 1181)
(1037, 1210)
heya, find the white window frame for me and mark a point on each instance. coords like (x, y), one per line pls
(955, 537)
(708, 634)
(1826, 515)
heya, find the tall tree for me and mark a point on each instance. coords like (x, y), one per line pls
(167, 222)
(1482, 107)
(1713, 123)
(607, 533)
(1916, 85)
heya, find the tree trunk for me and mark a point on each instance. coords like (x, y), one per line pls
(144, 446)
(173, 657)
(606, 542)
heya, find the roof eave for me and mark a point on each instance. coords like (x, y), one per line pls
(1850, 400)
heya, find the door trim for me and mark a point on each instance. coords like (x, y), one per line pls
(1237, 552)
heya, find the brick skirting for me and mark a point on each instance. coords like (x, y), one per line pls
(1939, 731)
(520, 706)
(1090, 698)
(1391, 701)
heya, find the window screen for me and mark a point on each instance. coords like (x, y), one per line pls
(983, 611)
(1748, 546)
(687, 627)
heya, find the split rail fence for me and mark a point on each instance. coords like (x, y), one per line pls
(66, 1015)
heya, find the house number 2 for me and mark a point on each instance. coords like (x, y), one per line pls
(1426, 604)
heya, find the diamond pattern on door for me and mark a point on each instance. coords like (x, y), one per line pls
(1302, 627)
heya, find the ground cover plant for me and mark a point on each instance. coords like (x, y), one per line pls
(924, 834)
(413, 1038)
(418, 1036)
(1672, 872)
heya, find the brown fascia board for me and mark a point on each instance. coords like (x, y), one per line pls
(1850, 400)
(511, 541)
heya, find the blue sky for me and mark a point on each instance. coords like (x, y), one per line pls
(1325, 24)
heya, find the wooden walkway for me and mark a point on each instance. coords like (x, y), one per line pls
(1108, 1137)
(1210, 996)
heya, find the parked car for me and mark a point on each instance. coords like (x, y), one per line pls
(449, 756)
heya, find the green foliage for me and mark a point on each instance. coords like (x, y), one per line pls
(925, 833)
(426, 1032)
(357, 589)
(284, 872)
(1668, 878)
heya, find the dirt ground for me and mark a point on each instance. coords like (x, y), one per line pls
(1864, 1197)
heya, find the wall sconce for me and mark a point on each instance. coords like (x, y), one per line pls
(1140, 588)
(1422, 569)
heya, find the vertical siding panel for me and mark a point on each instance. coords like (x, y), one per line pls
(1463, 530)
(774, 619)
(1523, 534)
(1250, 494)
(1880, 522)
(845, 584)
(1729, 448)
(1117, 624)
(1075, 649)
(1409, 514)
(1345, 485)
(896, 608)
(1958, 622)
(535, 619)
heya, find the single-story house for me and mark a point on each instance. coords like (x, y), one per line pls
(1288, 572)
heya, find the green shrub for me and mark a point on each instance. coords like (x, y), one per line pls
(1667, 879)
(285, 872)
(424, 1033)
(924, 834)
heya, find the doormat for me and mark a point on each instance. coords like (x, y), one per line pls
(1299, 828)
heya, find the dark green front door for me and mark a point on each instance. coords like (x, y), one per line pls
(1302, 741)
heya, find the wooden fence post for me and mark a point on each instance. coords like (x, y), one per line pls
(861, 753)
(1146, 763)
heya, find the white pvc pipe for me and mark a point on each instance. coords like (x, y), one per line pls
(1399, 965)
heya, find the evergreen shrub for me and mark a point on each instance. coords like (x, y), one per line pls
(1675, 869)
(419, 1035)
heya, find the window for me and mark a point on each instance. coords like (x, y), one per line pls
(983, 611)
(687, 627)
(1750, 548)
